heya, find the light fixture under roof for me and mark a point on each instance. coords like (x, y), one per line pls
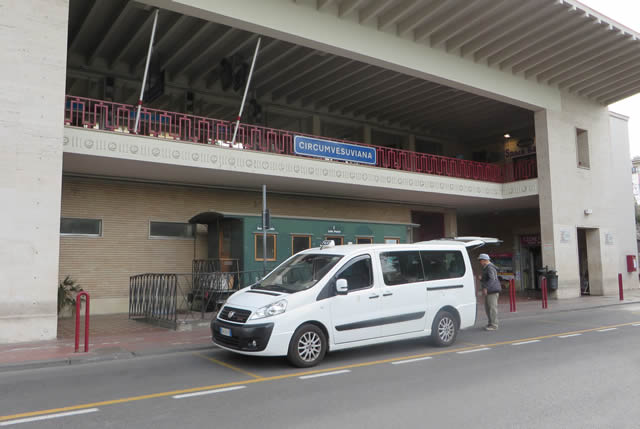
(507, 135)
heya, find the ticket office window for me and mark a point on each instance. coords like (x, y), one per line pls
(300, 243)
(271, 247)
(338, 239)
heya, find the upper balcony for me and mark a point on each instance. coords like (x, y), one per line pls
(180, 127)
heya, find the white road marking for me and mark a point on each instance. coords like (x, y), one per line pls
(570, 335)
(208, 392)
(607, 330)
(636, 324)
(48, 416)
(525, 342)
(322, 374)
(400, 362)
(474, 350)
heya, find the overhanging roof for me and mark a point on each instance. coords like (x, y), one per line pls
(561, 43)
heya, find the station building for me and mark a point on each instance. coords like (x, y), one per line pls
(485, 117)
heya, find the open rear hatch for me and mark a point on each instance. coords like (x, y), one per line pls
(475, 242)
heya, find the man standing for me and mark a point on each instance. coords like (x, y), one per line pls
(490, 289)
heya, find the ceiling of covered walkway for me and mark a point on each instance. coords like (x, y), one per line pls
(110, 38)
(560, 43)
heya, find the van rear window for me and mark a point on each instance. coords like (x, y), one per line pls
(442, 264)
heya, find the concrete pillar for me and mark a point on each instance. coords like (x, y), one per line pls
(32, 84)
(559, 242)
(412, 143)
(450, 223)
(597, 198)
(367, 134)
(316, 126)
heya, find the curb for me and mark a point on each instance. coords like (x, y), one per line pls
(82, 360)
(540, 311)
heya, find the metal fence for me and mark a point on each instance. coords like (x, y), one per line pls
(520, 169)
(117, 117)
(174, 299)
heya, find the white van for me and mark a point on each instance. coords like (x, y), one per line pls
(338, 297)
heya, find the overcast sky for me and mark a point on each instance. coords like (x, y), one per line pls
(626, 12)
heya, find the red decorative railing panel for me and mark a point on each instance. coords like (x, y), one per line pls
(117, 117)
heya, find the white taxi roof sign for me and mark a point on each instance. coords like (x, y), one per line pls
(327, 243)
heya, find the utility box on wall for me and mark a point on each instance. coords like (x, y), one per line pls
(632, 263)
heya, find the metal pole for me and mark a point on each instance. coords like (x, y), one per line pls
(620, 287)
(264, 230)
(146, 71)
(246, 89)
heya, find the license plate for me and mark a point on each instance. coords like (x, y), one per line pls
(225, 331)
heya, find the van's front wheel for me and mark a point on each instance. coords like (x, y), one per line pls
(307, 347)
(444, 329)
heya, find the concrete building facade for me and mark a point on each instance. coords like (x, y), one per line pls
(487, 118)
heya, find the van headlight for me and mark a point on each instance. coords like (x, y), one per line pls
(277, 307)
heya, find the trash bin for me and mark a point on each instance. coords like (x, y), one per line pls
(551, 276)
(552, 279)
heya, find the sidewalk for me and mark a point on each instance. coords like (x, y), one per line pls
(114, 337)
(111, 337)
(532, 306)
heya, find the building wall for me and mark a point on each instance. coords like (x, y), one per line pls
(635, 179)
(285, 228)
(32, 80)
(567, 190)
(103, 265)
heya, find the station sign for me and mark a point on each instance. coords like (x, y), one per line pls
(319, 148)
(530, 240)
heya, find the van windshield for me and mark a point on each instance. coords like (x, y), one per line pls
(299, 273)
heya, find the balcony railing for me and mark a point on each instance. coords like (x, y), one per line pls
(117, 117)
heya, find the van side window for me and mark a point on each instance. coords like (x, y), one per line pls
(401, 267)
(442, 264)
(358, 274)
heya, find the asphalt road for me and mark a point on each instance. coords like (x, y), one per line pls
(578, 369)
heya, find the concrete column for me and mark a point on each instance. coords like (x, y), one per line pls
(316, 125)
(412, 143)
(32, 84)
(450, 223)
(559, 242)
(597, 198)
(367, 134)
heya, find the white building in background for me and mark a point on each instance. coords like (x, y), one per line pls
(488, 118)
(635, 178)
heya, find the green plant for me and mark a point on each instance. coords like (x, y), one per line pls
(67, 290)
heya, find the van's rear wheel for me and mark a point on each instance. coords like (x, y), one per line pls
(307, 347)
(444, 329)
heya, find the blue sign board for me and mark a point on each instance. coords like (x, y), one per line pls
(334, 150)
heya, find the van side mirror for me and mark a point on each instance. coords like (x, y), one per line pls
(342, 287)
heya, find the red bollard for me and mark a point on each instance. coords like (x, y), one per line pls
(512, 296)
(620, 287)
(545, 303)
(86, 321)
